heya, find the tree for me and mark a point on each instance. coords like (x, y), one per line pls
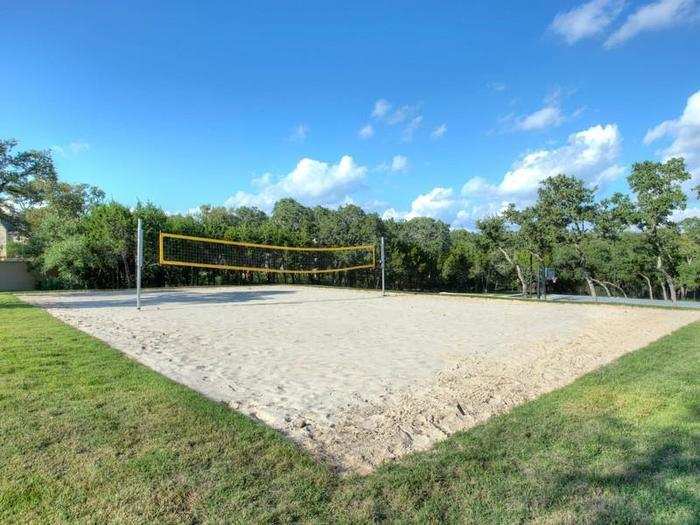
(110, 230)
(73, 239)
(216, 220)
(568, 212)
(460, 267)
(25, 178)
(659, 193)
(421, 243)
(506, 241)
(689, 269)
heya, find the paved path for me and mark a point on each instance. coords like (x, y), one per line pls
(623, 300)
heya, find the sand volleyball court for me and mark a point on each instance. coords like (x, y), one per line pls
(354, 377)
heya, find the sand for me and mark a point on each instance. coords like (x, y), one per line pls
(356, 378)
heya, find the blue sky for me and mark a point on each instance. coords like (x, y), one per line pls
(405, 108)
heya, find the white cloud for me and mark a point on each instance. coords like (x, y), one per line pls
(654, 17)
(407, 115)
(684, 133)
(438, 132)
(392, 213)
(590, 154)
(366, 132)
(479, 186)
(443, 204)
(587, 154)
(688, 213)
(299, 133)
(660, 130)
(381, 108)
(402, 114)
(586, 20)
(496, 86)
(548, 116)
(73, 148)
(437, 203)
(410, 129)
(312, 182)
(399, 163)
(470, 212)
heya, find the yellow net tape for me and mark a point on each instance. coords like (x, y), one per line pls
(202, 252)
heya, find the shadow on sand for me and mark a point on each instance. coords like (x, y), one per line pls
(167, 299)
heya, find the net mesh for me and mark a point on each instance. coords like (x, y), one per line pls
(201, 252)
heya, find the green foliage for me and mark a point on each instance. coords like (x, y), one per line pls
(25, 178)
(658, 189)
(659, 193)
(73, 239)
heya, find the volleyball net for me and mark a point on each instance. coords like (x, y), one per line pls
(201, 252)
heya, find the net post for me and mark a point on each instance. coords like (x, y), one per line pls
(139, 262)
(382, 261)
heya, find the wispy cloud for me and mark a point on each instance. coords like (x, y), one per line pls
(411, 128)
(398, 163)
(587, 20)
(407, 116)
(71, 149)
(299, 133)
(438, 132)
(402, 114)
(547, 117)
(497, 86)
(366, 132)
(550, 115)
(381, 108)
(654, 17)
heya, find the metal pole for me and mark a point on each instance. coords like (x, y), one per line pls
(139, 262)
(383, 261)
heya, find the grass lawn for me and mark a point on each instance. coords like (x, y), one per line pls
(87, 434)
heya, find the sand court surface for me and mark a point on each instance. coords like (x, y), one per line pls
(354, 377)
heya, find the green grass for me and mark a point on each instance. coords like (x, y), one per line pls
(88, 435)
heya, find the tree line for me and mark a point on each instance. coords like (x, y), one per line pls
(626, 244)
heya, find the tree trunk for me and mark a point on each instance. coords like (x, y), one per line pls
(521, 278)
(671, 289)
(669, 280)
(617, 287)
(591, 287)
(649, 287)
(601, 283)
(126, 270)
(663, 289)
(518, 270)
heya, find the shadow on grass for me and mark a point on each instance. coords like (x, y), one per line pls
(628, 490)
(499, 473)
(12, 305)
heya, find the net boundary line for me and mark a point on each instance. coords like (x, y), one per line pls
(162, 260)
